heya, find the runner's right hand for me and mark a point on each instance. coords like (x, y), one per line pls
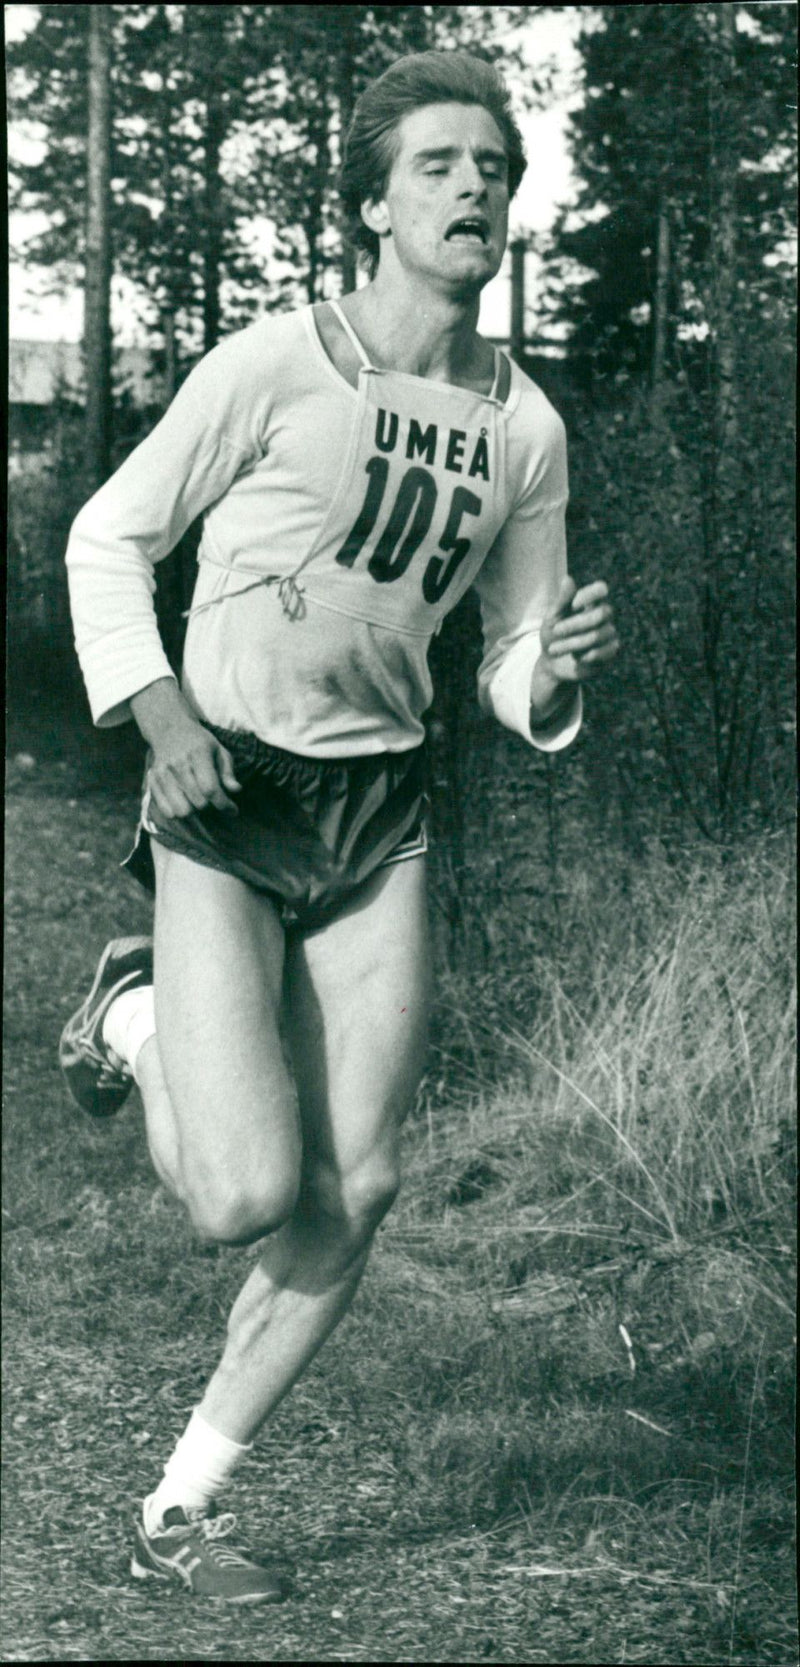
(190, 770)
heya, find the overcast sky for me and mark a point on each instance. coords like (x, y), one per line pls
(547, 183)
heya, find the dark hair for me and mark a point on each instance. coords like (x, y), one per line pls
(371, 146)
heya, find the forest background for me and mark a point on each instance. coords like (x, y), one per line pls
(613, 925)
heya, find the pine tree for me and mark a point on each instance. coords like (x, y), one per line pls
(684, 160)
(686, 125)
(182, 77)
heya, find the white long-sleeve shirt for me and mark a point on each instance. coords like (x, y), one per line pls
(376, 507)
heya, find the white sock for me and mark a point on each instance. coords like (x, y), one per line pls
(129, 1023)
(200, 1466)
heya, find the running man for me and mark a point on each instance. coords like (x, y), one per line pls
(358, 467)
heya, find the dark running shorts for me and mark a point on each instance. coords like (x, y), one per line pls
(309, 831)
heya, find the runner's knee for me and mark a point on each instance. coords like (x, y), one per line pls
(357, 1200)
(370, 1191)
(241, 1213)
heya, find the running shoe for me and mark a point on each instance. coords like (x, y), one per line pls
(194, 1549)
(95, 1078)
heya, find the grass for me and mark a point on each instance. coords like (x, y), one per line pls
(556, 1425)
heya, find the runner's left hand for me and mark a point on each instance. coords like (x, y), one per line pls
(579, 637)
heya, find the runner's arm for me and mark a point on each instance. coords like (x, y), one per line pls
(519, 590)
(209, 434)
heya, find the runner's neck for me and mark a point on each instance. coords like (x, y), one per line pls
(436, 340)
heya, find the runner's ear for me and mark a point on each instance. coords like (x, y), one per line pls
(375, 216)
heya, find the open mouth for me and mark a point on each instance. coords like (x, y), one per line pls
(469, 227)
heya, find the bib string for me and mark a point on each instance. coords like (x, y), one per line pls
(349, 331)
(290, 593)
(377, 370)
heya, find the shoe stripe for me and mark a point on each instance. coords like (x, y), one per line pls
(109, 999)
(143, 1571)
(118, 947)
(169, 1565)
(76, 1045)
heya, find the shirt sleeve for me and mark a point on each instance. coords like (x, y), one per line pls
(517, 586)
(209, 434)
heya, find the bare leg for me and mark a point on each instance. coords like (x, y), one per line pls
(160, 1121)
(298, 1319)
(221, 1120)
(359, 999)
(277, 1324)
(220, 1107)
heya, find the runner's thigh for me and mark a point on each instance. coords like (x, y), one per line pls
(219, 950)
(359, 994)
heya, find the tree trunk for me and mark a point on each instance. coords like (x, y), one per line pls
(345, 59)
(168, 236)
(170, 356)
(175, 578)
(97, 294)
(319, 133)
(660, 301)
(417, 30)
(212, 145)
(724, 161)
(721, 485)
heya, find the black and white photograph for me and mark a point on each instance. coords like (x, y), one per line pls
(400, 1029)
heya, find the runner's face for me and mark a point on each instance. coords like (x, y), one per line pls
(451, 167)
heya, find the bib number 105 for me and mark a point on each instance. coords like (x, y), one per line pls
(408, 524)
